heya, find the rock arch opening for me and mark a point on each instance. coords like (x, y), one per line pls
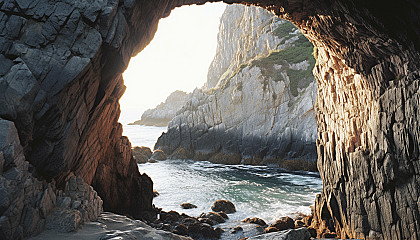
(61, 80)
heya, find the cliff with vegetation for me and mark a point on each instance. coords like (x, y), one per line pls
(162, 114)
(257, 104)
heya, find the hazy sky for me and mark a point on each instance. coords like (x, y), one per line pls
(177, 59)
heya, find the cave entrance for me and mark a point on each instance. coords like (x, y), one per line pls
(261, 62)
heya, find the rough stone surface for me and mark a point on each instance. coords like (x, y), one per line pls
(162, 114)
(60, 80)
(223, 206)
(111, 226)
(247, 112)
(255, 220)
(291, 234)
(64, 220)
(158, 155)
(142, 154)
(28, 205)
(187, 205)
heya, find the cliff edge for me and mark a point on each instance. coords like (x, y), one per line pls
(257, 104)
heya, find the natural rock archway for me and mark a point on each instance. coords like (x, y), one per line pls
(60, 81)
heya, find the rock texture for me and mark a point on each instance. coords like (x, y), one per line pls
(112, 226)
(162, 114)
(257, 104)
(28, 205)
(60, 80)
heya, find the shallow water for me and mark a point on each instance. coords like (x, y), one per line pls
(143, 135)
(256, 191)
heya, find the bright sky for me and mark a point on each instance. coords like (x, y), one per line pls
(177, 59)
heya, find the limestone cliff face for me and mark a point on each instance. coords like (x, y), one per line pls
(60, 80)
(257, 105)
(162, 114)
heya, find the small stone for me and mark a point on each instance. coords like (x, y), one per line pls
(236, 229)
(223, 205)
(255, 220)
(188, 205)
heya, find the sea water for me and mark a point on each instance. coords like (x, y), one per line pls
(257, 191)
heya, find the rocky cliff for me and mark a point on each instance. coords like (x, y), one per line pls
(60, 80)
(162, 114)
(257, 104)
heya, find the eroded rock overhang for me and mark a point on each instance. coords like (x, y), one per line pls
(61, 66)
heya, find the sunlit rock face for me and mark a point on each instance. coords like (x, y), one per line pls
(162, 114)
(257, 104)
(60, 80)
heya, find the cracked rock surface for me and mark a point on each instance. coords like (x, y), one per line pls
(60, 81)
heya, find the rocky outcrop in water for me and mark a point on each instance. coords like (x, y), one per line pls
(162, 114)
(257, 104)
(60, 81)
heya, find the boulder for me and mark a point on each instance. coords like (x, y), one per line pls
(214, 217)
(223, 205)
(181, 229)
(282, 224)
(187, 205)
(142, 154)
(158, 155)
(203, 230)
(255, 220)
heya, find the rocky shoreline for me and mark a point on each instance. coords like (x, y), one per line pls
(173, 225)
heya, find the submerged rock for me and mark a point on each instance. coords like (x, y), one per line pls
(187, 205)
(223, 206)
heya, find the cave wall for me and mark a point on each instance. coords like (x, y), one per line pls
(60, 81)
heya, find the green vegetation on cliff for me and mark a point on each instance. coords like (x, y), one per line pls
(279, 61)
